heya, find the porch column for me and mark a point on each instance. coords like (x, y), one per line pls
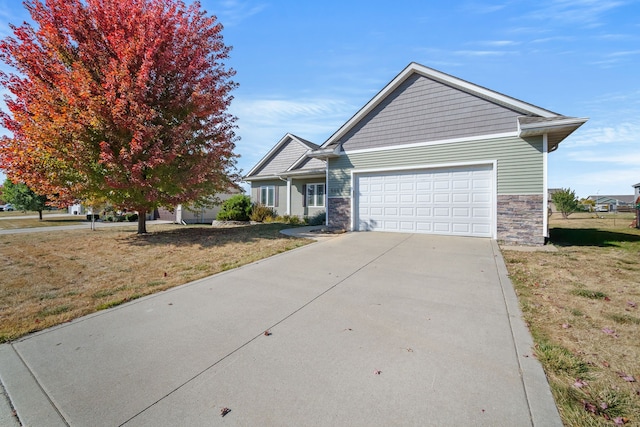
(289, 196)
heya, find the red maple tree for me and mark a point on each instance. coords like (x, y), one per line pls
(121, 99)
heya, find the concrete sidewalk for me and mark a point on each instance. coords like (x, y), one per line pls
(364, 329)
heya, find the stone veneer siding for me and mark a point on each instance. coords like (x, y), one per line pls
(340, 213)
(520, 219)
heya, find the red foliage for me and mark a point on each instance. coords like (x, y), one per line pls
(119, 98)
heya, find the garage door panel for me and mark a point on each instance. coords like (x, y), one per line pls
(407, 212)
(424, 227)
(407, 186)
(457, 201)
(481, 184)
(407, 199)
(480, 229)
(442, 185)
(461, 228)
(461, 212)
(481, 212)
(442, 198)
(481, 197)
(460, 198)
(442, 227)
(460, 184)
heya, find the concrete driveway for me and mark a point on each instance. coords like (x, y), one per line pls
(365, 329)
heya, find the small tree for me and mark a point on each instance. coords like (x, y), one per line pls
(588, 204)
(122, 99)
(566, 201)
(23, 198)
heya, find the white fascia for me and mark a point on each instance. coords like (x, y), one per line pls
(429, 143)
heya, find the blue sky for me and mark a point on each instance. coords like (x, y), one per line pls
(307, 67)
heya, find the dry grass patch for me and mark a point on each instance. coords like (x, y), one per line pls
(581, 304)
(9, 222)
(53, 277)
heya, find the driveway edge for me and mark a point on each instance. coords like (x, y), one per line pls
(542, 405)
(32, 405)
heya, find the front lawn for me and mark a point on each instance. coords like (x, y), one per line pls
(10, 220)
(581, 304)
(48, 278)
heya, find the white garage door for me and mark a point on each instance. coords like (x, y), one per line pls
(455, 201)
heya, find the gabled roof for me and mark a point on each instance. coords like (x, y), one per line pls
(309, 146)
(556, 125)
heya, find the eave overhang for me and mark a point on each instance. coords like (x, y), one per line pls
(308, 173)
(556, 128)
(326, 153)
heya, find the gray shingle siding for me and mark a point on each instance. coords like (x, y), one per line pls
(312, 163)
(282, 159)
(422, 109)
(519, 162)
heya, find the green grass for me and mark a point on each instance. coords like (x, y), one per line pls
(581, 305)
(624, 319)
(589, 294)
(560, 360)
(118, 302)
(52, 311)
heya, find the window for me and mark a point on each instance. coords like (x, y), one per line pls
(267, 196)
(315, 195)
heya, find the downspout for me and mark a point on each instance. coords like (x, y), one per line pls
(545, 185)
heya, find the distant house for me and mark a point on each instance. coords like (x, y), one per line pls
(613, 203)
(636, 191)
(188, 215)
(430, 153)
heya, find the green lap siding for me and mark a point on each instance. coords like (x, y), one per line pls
(519, 162)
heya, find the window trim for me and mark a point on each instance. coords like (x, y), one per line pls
(314, 195)
(267, 188)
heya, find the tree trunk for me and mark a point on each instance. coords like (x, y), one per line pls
(40, 214)
(142, 222)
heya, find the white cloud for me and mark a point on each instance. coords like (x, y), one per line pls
(618, 133)
(263, 122)
(628, 158)
(500, 43)
(233, 12)
(576, 12)
(483, 8)
(483, 52)
(600, 180)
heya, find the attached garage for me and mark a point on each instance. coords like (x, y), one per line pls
(448, 200)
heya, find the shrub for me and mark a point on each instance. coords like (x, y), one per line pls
(237, 208)
(132, 217)
(294, 220)
(315, 219)
(262, 213)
